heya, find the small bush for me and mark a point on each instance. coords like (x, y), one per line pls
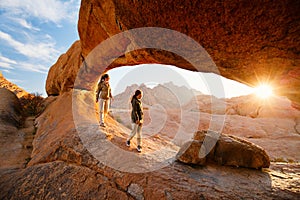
(32, 104)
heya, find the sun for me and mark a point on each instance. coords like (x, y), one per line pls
(263, 91)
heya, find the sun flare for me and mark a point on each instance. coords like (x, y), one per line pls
(263, 91)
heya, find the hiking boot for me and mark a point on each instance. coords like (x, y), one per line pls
(128, 143)
(103, 125)
(139, 148)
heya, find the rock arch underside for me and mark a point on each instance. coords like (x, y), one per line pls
(250, 41)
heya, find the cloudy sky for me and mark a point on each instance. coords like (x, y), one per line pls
(33, 33)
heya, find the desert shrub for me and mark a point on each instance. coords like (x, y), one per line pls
(32, 104)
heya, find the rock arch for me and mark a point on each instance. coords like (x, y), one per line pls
(250, 41)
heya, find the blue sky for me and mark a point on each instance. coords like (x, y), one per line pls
(34, 33)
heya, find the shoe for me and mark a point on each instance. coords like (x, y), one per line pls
(139, 148)
(102, 124)
(128, 143)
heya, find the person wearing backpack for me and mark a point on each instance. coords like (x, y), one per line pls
(104, 92)
(137, 118)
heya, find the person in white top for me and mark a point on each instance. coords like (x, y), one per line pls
(104, 93)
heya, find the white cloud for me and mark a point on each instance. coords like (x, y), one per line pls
(33, 67)
(7, 60)
(7, 71)
(6, 63)
(43, 51)
(48, 37)
(48, 10)
(25, 24)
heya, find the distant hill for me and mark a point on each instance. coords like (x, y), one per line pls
(168, 95)
(171, 96)
(4, 83)
(248, 105)
(252, 106)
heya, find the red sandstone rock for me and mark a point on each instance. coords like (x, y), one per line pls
(61, 167)
(251, 42)
(240, 153)
(4, 83)
(16, 134)
(10, 108)
(225, 150)
(190, 153)
(62, 74)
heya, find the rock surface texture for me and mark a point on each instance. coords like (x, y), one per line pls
(16, 133)
(224, 150)
(62, 167)
(272, 124)
(250, 41)
(4, 83)
(62, 74)
(10, 108)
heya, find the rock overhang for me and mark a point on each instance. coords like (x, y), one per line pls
(250, 42)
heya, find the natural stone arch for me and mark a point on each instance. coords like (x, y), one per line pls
(250, 41)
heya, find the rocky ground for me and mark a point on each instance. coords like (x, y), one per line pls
(16, 145)
(69, 161)
(16, 132)
(281, 141)
(270, 123)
